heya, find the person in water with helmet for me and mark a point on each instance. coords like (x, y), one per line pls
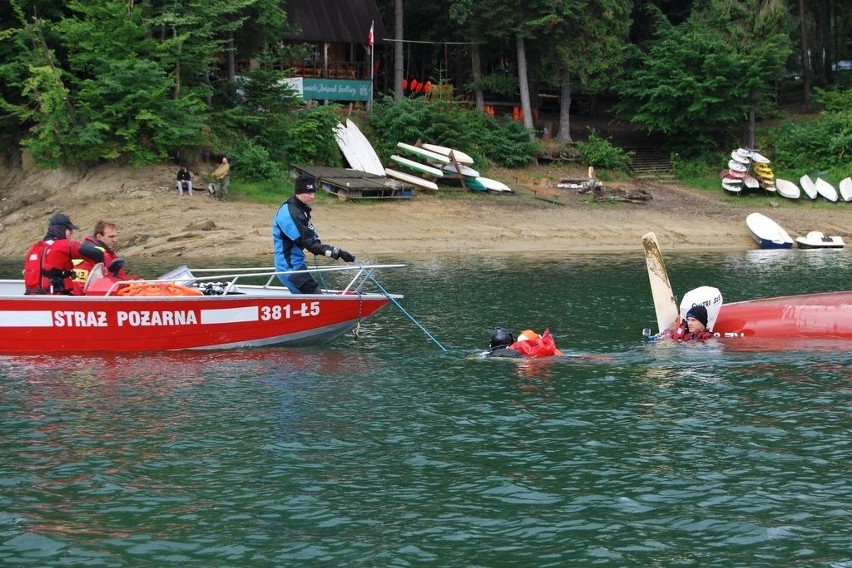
(528, 345)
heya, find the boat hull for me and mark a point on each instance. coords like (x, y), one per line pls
(823, 316)
(767, 233)
(50, 324)
(818, 240)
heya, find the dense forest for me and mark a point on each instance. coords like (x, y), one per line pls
(88, 81)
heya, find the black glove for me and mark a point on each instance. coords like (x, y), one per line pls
(115, 266)
(336, 252)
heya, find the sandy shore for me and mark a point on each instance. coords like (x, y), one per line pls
(154, 221)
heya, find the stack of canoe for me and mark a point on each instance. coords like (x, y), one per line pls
(430, 162)
(733, 178)
(747, 170)
(763, 171)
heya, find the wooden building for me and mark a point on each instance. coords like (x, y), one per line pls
(339, 32)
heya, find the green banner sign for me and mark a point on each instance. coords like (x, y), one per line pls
(335, 90)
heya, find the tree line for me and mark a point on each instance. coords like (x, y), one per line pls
(86, 81)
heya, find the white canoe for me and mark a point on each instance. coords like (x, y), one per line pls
(736, 166)
(808, 186)
(846, 189)
(751, 182)
(767, 233)
(825, 189)
(494, 185)
(759, 158)
(423, 153)
(412, 179)
(416, 166)
(451, 153)
(455, 169)
(357, 150)
(742, 153)
(818, 239)
(370, 161)
(353, 158)
(741, 158)
(732, 185)
(787, 189)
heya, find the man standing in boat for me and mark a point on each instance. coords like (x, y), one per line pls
(293, 233)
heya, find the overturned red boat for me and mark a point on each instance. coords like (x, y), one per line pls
(826, 315)
(223, 309)
(776, 323)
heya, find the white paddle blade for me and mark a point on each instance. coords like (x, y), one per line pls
(665, 303)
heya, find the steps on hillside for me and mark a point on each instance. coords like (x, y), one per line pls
(651, 163)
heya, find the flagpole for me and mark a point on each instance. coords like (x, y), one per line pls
(372, 50)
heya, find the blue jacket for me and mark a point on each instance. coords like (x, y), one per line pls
(292, 234)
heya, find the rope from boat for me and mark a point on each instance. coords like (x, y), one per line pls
(398, 305)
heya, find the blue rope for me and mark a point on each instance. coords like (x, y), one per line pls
(398, 305)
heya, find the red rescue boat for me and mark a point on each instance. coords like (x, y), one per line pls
(180, 310)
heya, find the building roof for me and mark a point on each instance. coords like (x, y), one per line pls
(346, 21)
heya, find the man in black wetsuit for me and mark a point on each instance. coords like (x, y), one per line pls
(501, 339)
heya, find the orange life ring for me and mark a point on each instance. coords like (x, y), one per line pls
(157, 289)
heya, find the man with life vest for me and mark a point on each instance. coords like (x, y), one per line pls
(293, 233)
(49, 266)
(529, 344)
(104, 238)
(692, 328)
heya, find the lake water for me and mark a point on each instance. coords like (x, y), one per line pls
(385, 450)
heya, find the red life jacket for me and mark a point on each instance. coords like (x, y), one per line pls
(681, 333)
(32, 269)
(57, 268)
(543, 346)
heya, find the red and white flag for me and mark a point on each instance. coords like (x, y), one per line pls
(370, 37)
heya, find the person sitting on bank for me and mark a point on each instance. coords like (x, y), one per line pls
(692, 328)
(184, 181)
(529, 344)
(49, 266)
(293, 233)
(104, 238)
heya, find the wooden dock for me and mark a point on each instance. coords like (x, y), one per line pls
(354, 184)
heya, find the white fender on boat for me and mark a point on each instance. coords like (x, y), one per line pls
(707, 296)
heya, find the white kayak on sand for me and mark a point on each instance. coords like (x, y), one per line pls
(788, 189)
(767, 233)
(818, 239)
(494, 185)
(846, 189)
(825, 189)
(808, 186)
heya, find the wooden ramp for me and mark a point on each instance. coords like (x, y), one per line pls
(354, 184)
